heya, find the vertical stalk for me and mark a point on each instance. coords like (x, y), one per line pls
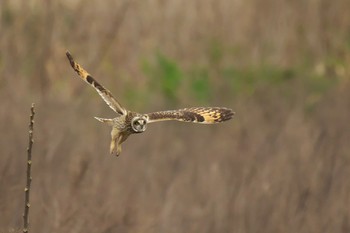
(29, 169)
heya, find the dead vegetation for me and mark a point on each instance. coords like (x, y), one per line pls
(282, 165)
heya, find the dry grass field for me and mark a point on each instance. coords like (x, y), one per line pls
(281, 165)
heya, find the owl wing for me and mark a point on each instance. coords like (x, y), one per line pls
(103, 92)
(204, 115)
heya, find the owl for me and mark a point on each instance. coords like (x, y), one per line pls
(128, 122)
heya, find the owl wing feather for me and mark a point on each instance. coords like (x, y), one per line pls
(102, 91)
(204, 115)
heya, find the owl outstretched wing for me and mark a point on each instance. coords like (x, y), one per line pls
(204, 115)
(102, 91)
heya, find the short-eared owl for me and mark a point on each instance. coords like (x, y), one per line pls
(128, 122)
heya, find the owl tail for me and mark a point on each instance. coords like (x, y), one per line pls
(105, 120)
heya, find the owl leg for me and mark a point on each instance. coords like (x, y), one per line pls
(115, 147)
(117, 139)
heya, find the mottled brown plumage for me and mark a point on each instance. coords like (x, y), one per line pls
(128, 122)
(204, 115)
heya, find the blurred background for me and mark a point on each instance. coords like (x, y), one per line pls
(281, 165)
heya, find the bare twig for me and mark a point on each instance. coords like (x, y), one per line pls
(29, 167)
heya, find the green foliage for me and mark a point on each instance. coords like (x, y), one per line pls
(246, 80)
(164, 74)
(134, 97)
(215, 52)
(200, 86)
(7, 17)
(318, 84)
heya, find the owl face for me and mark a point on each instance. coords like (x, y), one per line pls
(139, 124)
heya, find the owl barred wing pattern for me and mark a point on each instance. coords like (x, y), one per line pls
(103, 92)
(204, 115)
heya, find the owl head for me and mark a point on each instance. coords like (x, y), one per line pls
(139, 123)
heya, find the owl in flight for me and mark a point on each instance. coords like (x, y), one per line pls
(128, 122)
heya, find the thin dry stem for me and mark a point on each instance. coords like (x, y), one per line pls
(29, 167)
